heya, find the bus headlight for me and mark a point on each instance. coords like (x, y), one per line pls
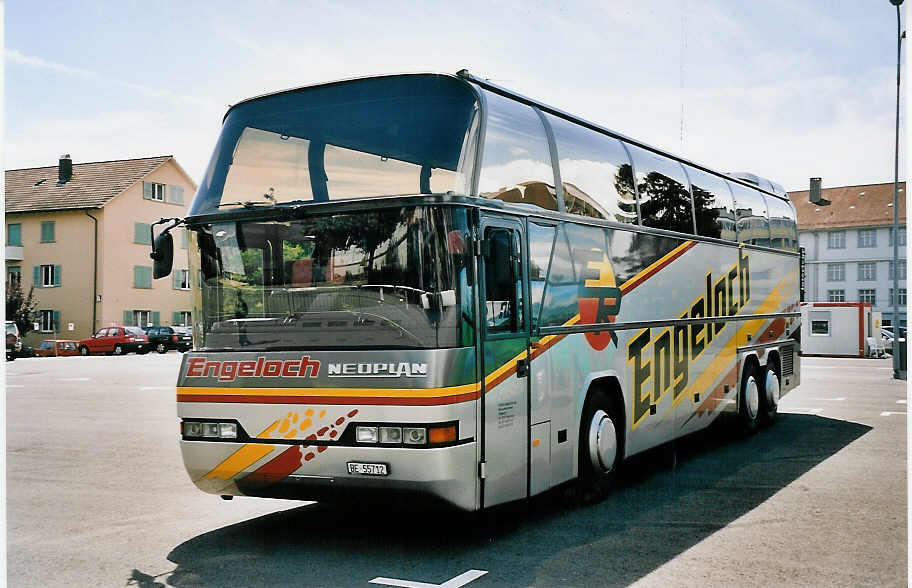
(211, 430)
(415, 435)
(390, 434)
(192, 429)
(366, 434)
(228, 430)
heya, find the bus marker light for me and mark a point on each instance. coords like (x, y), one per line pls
(390, 434)
(415, 435)
(366, 434)
(228, 430)
(192, 429)
(210, 429)
(442, 434)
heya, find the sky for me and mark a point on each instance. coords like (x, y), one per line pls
(786, 89)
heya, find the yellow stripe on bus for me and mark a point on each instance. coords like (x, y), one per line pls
(343, 392)
(238, 461)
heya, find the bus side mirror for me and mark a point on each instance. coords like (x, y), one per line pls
(162, 254)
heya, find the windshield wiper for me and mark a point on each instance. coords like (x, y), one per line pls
(249, 204)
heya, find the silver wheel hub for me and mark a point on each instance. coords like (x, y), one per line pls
(772, 388)
(602, 442)
(752, 397)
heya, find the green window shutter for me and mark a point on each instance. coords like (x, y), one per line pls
(175, 194)
(142, 276)
(36, 276)
(128, 318)
(47, 231)
(58, 271)
(175, 318)
(183, 238)
(142, 233)
(147, 190)
(14, 234)
(156, 317)
(56, 316)
(175, 280)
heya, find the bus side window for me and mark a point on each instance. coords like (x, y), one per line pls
(713, 205)
(752, 218)
(595, 173)
(541, 242)
(561, 291)
(503, 287)
(516, 165)
(664, 192)
(783, 232)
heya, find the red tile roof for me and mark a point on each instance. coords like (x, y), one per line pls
(867, 205)
(92, 186)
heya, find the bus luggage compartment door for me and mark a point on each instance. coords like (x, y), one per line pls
(505, 344)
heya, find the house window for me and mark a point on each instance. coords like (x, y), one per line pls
(835, 295)
(868, 295)
(142, 276)
(902, 297)
(142, 318)
(142, 233)
(902, 236)
(48, 231)
(867, 271)
(48, 321)
(182, 279)
(153, 191)
(47, 276)
(867, 238)
(182, 318)
(835, 272)
(14, 234)
(13, 274)
(836, 240)
(902, 270)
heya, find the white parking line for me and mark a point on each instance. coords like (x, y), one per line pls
(15, 385)
(156, 387)
(73, 379)
(900, 402)
(460, 580)
(890, 413)
(840, 399)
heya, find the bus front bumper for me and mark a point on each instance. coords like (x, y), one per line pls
(447, 474)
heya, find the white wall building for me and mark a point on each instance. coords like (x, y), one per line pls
(849, 246)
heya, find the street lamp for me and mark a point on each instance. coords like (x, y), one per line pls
(895, 322)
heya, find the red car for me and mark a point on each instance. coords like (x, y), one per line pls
(56, 348)
(115, 340)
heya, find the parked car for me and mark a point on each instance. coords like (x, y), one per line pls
(13, 341)
(56, 348)
(115, 340)
(162, 339)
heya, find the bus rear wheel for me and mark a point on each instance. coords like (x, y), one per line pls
(599, 446)
(769, 396)
(749, 398)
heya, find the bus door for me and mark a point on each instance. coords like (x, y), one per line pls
(505, 364)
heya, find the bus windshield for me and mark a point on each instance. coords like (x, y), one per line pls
(384, 278)
(362, 138)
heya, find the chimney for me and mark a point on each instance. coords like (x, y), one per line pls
(814, 194)
(64, 170)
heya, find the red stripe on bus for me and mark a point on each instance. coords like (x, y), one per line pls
(374, 400)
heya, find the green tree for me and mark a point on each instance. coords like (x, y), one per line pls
(20, 308)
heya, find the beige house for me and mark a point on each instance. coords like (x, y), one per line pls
(81, 234)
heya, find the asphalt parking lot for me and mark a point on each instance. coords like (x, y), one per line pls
(97, 495)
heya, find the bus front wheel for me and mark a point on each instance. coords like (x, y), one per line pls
(599, 446)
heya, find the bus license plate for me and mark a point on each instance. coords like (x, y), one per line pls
(367, 469)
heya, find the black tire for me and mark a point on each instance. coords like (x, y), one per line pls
(769, 393)
(118, 350)
(749, 398)
(160, 347)
(600, 446)
(84, 351)
(10, 357)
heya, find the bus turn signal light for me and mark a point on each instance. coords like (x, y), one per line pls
(438, 435)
